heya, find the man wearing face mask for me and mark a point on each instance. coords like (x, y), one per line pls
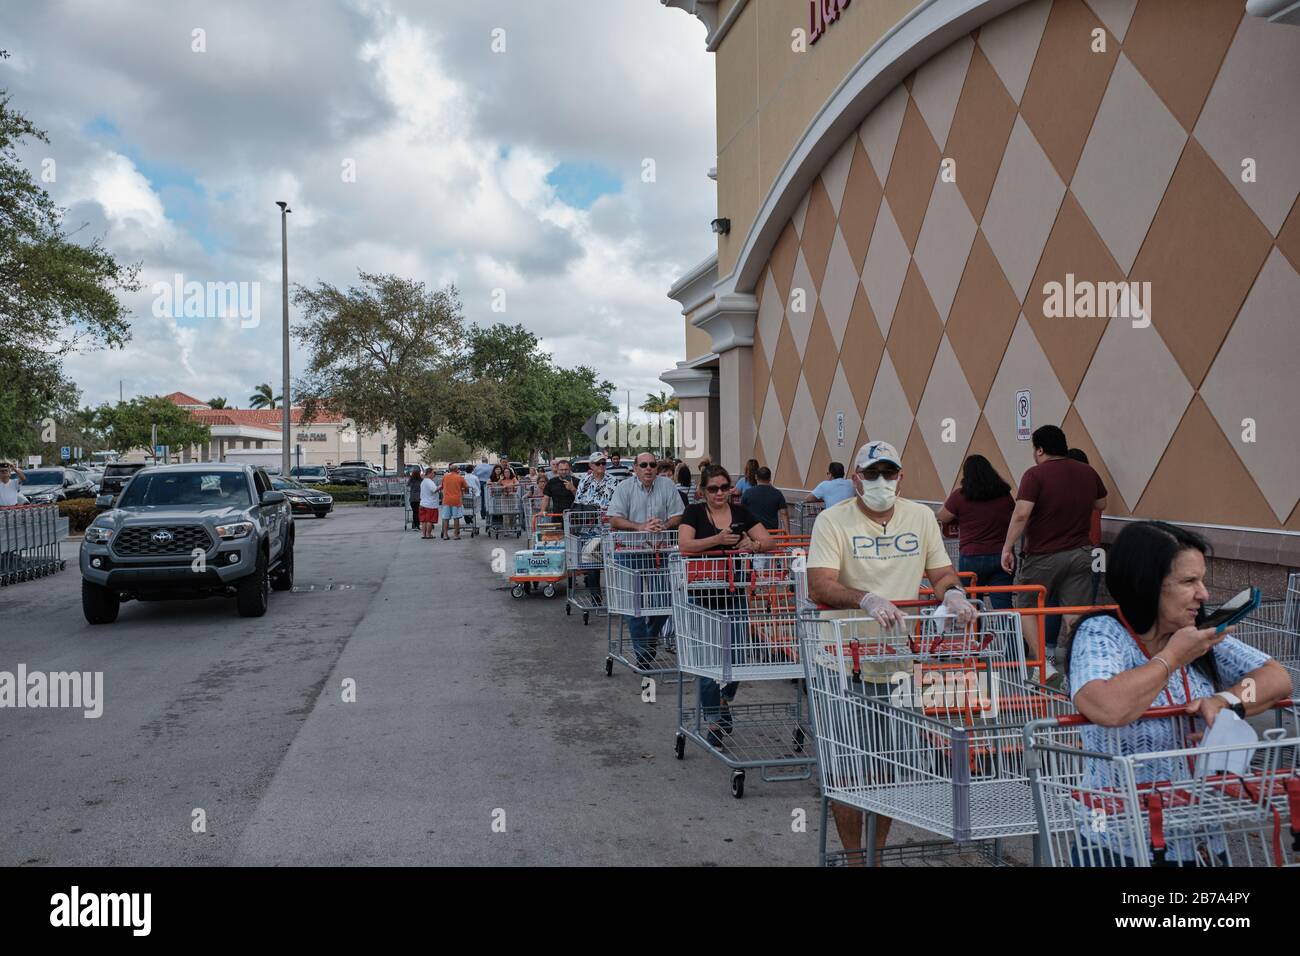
(868, 552)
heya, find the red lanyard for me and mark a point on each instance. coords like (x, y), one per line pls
(1187, 687)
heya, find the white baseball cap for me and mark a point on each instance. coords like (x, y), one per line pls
(874, 451)
(596, 457)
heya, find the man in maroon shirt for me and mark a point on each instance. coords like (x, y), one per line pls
(1054, 507)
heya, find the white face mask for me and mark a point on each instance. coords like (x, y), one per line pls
(879, 495)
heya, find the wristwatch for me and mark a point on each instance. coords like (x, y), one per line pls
(1234, 702)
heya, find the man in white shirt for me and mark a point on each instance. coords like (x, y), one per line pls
(9, 493)
(476, 488)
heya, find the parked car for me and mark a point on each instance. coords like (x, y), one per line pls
(46, 485)
(187, 531)
(351, 475)
(302, 499)
(116, 475)
(359, 464)
(310, 474)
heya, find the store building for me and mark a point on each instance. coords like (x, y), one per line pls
(942, 212)
(327, 439)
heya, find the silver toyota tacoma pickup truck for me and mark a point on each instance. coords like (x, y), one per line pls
(188, 531)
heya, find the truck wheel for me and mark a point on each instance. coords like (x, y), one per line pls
(99, 604)
(282, 579)
(252, 592)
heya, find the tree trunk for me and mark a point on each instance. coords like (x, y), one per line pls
(401, 447)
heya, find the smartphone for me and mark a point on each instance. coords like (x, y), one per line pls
(1233, 610)
(738, 527)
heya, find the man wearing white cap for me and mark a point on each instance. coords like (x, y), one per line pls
(868, 552)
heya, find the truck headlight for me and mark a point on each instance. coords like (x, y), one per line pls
(97, 535)
(231, 532)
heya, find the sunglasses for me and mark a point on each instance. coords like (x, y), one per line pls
(645, 464)
(871, 474)
(717, 489)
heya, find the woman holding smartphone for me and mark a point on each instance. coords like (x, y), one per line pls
(715, 524)
(1159, 650)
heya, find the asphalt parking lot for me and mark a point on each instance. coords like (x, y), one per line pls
(483, 732)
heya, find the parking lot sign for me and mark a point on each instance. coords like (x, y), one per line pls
(65, 452)
(1024, 418)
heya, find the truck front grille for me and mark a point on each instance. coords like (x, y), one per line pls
(143, 540)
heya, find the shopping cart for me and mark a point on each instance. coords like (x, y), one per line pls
(636, 585)
(803, 514)
(1274, 628)
(29, 542)
(583, 530)
(504, 511)
(469, 521)
(1236, 805)
(540, 568)
(924, 723)
(735, 617)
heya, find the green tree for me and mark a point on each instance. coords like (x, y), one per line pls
(129, 425)
(446, 448)
(73, 429)
(518, 400)
(263, 397)
(57, 296)
(218, 402)
(383, 353)
(657, 405)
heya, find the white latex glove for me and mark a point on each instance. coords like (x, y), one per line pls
(955, 603)
(881, 609)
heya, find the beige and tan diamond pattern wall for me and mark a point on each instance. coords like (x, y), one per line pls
(905, 304)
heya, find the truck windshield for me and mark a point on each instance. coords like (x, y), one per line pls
(226, 489)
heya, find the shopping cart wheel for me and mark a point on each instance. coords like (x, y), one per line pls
(609, 666)
(548, 591)
(738, 784)
(681, 745)
(798, 740)
(517, 591)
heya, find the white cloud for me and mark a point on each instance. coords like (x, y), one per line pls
(452, 147)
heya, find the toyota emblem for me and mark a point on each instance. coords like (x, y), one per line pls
(162, 537)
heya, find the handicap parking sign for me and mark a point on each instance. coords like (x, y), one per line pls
(65, 452)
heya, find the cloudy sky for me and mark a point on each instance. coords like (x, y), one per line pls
(518, 170)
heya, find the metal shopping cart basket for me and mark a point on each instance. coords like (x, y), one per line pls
(504, 511)
(803, 515)
(736, 619)
(636, 585)
(29, 542)
(1274, 628)
(583, 531)
(1236, 805)
(924, 723)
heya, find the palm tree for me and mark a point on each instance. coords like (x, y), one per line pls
(218, 402)
(657, 405)
(264, 397)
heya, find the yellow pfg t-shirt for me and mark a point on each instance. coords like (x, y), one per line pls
(886, 559)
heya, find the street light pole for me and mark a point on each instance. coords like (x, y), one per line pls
(284, 289)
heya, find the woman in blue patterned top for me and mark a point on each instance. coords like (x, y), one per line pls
(1152, 653)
